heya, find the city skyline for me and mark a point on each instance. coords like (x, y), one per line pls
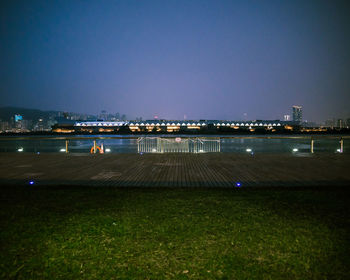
(11, 112)
(202, 59)
(105, 114)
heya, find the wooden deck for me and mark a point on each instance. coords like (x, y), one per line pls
(176, 170)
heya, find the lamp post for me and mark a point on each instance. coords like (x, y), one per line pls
(66, 146)
(341, 145)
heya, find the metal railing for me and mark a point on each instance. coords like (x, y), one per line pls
(178, 145)
(166, 144)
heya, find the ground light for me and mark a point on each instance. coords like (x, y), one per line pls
(248, 150)
(295, 150)
(31, 182)
(339, 150)
(20, 149)
(238, 184)
(62, 150)
(107, 150)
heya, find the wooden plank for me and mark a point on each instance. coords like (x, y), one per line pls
(179, 170)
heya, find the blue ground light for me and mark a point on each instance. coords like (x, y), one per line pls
(31, 182)
(238, 184)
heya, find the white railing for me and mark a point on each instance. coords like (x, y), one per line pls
(178, 145)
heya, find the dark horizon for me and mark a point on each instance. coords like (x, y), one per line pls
(202, 59)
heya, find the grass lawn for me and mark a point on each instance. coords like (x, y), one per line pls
(114, 233)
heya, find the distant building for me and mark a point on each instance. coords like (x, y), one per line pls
(161, 126)
(26, 125)
(286, 118)
(103, 115)
(329, 123)
(297, 114)
(4, 126)
(39, 125)
(340, 123)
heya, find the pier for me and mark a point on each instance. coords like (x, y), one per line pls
(176, 170)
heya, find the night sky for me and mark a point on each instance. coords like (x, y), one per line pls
(203, 59)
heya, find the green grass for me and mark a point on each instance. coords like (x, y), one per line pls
(110, 233)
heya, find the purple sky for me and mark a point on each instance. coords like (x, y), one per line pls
(202, 59)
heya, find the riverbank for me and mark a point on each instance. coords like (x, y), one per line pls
(329, 132)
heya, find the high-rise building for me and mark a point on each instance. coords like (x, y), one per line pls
(329, 123)
(4, 126)
(297, 113)
(103, 115)
(286, 118)
(340, 123)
